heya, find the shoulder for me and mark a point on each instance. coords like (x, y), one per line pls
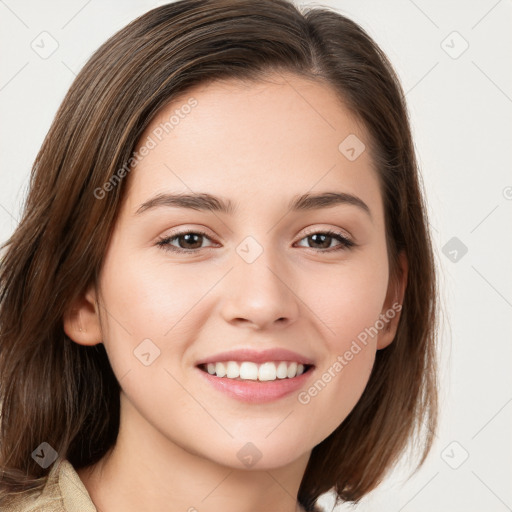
(63, 492)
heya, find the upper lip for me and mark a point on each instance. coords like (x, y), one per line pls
(256, 356)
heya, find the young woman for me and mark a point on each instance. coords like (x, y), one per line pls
(222, 294)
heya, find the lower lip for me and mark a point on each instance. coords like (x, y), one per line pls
(254, 391)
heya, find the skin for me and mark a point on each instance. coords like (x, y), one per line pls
(258, 144)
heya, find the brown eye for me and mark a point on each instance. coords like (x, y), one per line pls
(188, 241)
(322, 240)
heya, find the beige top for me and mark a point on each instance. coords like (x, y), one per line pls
(63, 492)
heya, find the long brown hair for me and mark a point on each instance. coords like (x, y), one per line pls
(56, 391)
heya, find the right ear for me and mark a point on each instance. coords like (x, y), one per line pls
(81, 320)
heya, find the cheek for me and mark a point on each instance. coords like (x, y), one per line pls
(141, 307)
(347, 312)
(346, 299)
(148, 299)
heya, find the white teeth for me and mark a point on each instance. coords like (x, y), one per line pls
(292, 370)
(282, 370)
(248, 370)
(232, 370)
(220, 369)
(267, 371)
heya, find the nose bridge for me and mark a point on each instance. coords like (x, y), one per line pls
(260, 292)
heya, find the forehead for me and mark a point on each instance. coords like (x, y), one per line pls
(254, 142)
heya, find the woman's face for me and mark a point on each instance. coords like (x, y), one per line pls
(263, 276)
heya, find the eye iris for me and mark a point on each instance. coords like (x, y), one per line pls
(188, 237)
(324, 237)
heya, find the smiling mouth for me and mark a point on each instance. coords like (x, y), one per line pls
(249, 371)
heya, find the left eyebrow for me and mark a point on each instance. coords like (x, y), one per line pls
(208, 202)
(327, 200)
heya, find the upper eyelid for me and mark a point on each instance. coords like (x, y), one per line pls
(339, 231)
(308, 230)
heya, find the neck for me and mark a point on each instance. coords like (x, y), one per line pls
(147, 471)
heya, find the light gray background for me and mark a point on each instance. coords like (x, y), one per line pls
(461, 110)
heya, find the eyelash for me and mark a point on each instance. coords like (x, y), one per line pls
(345, 243)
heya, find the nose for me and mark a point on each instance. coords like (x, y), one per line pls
(260, 294)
